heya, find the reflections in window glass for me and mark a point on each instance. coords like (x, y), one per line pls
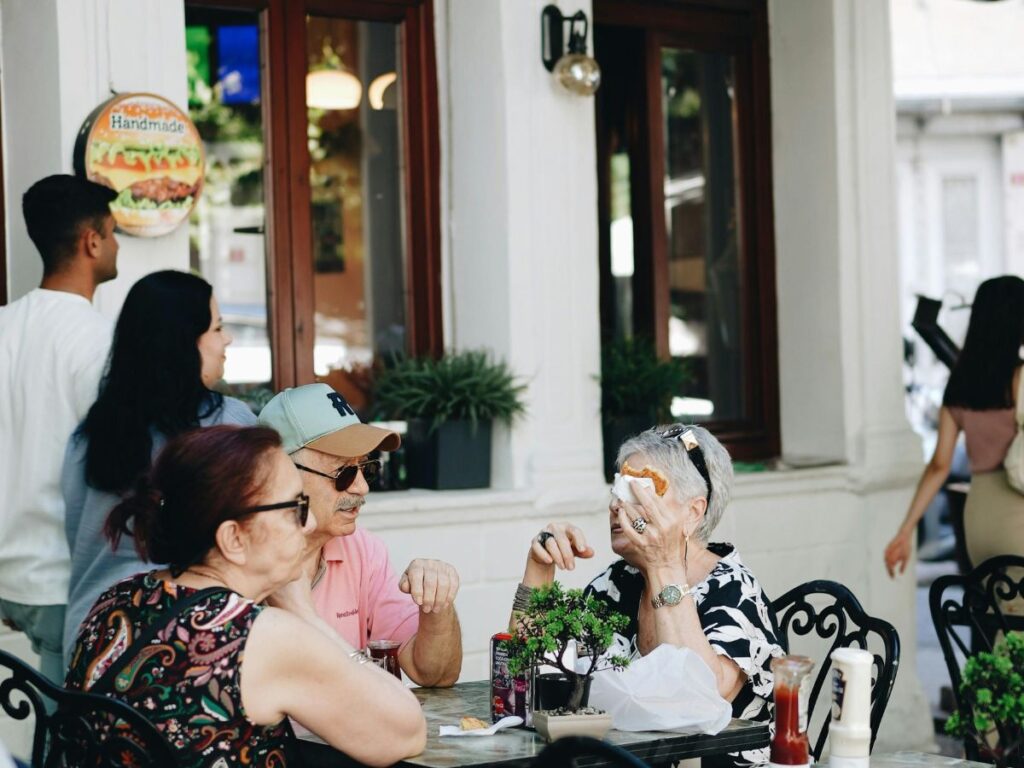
(226, 232)
(357, 191)
(701, 222)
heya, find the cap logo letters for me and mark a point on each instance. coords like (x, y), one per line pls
(340, 405)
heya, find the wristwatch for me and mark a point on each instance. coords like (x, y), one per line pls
(671, 594)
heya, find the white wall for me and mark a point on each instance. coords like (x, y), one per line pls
(523, 235)
(62, 58)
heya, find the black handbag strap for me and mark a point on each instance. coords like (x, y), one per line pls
(106, 683)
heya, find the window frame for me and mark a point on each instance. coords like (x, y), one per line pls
(289, 246)
(738, 28)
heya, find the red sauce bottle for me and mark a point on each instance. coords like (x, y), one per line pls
(790, 745)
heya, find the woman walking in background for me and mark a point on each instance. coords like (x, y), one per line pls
(979, 400)
(168, 351)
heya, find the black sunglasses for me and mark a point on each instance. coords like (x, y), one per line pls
(345, 476)
(686, 436)
(300, 504)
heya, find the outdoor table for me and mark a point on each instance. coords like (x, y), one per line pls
(517, 747)
(915, 760)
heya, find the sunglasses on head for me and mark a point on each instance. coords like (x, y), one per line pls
(688, 438)
(346, 475)
(300, 504)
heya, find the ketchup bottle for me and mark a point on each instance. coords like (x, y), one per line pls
(790, 745)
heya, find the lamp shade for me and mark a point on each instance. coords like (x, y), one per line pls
(578, 73)
(333, 89)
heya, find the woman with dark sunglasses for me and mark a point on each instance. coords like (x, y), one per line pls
(224, 508)
(168, 352)
(673, 584)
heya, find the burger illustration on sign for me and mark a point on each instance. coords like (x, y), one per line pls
(149, 152)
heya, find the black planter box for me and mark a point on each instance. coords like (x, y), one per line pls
(452, 457)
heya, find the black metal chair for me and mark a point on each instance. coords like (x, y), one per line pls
(79, 729)
(564, 752)
(969, 617)
(838, 615)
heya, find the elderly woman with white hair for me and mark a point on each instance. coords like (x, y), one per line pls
(673, 584)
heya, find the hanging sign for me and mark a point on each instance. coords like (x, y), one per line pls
(149, 152)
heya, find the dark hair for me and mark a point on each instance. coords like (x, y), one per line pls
(57, 208)
(153, 381)
(982, 378)
(201, 479)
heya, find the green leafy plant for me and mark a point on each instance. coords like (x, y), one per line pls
(634, 380)
(553, 617)
(459, 386)
(992, 702)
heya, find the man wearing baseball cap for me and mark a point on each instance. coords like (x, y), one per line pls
(353, 587)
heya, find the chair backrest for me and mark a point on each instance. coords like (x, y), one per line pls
(836, 616)
(969, 616)
(79, 729)
(562, 752)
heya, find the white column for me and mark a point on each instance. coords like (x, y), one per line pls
(523, 237)
(839, 327)
(61, 59)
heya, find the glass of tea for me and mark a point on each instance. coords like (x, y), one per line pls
(385, 653)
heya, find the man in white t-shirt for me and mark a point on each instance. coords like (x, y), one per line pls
(53, 350)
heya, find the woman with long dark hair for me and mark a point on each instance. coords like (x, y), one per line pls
(980, 401)
(168, 351)
(224, 509)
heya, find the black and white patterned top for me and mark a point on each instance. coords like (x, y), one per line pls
(737, 622)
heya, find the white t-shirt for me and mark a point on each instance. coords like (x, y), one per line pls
(53, 350)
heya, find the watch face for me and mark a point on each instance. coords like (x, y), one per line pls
(671, 595)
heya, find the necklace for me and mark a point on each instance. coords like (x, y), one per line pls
(218, 581)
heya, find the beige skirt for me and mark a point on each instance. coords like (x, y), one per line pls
(994, 521)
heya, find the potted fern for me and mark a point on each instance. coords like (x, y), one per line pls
(637, 388)
(991, 703)
(541, 634)
(449, 404)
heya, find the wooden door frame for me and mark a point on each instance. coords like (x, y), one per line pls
(739, 28)
(290, 275)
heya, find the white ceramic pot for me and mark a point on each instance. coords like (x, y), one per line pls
(553, 727)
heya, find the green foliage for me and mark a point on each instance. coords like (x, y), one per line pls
(634, 380)
(460, 386)
(555, 616)
(992, 695)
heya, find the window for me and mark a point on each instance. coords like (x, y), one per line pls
(319, 224)
(686, 242)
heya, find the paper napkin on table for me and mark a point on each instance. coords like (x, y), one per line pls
(506, 722)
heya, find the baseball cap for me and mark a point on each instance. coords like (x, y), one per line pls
(315, 416)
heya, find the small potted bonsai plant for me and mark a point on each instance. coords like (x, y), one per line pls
(449, 404)
(541, 635)
(637, 388)
(991, 703)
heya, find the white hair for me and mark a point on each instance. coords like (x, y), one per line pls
(670, 456)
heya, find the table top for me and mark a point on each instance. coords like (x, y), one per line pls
(915, 760)
(517, 747)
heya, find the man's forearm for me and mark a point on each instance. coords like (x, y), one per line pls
(433, 657)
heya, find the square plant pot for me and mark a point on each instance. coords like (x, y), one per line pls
(452, 457)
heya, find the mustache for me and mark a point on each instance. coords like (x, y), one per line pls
(352, 502)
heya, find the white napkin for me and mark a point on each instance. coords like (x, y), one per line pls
(622, 489)
(506, 722)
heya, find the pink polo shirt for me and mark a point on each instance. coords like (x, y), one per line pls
(358, 594)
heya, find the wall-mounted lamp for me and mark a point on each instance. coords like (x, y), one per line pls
(575, 70)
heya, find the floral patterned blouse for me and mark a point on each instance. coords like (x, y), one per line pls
(186, 681)
(737, 622)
